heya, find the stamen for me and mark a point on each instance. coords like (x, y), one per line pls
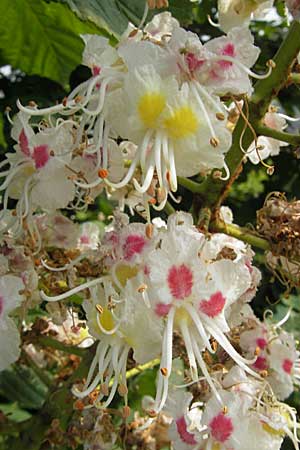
(73, 291)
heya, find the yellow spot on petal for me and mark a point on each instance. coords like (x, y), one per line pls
(107, 320)
(124, 272)
(216, 447)
(181, 315)
(272, 431)
(182, 123)
(150, 107)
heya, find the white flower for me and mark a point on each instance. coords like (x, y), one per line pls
(234, 13)
(267, 146)
(10, 298)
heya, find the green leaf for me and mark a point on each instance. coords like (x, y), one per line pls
(113, 15)
(14, 412)
(42, 38)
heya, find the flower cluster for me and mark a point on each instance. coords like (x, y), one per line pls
(155, 108)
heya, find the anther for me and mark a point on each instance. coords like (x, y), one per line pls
(264, 373)
(79, 405)
(122, 390)
(64, 102)
(104, 389)
(102, 173)
(271, 63)
(270, 170)
(142, 288)
(225, 410)
(152, 201)
(149, 230)
(257, 351)
(100, 309)
(164, 371)
(214, 142)
(126, 412)
(78, 99)
(220, 116)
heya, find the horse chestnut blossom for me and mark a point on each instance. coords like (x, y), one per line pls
(154, 111)
(276, 355)
(10, 299)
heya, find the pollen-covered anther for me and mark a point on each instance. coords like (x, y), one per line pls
(126, 412)
(151, 412)
(149, 230)
(214, 142)
(102, 173)
(260, 147)
(225, 410)
(142, 288)
(122, 390)
(78, 99)
(270, 170)
(164, 371)
(100, 309)
(214, 346)
(51, 153)
(271, 63)
(152, 201)
(88, 200)
(79, 405)
(263, 373)
(220, 116)
(65, 100)
(257, 351)
(104, 389)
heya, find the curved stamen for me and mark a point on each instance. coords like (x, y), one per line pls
(202, 107)
(71, 292)
(148, 178)
(66, 267)
(173, 174)
(243, 67)
(13, 172)
(289, 118)
(227, 173)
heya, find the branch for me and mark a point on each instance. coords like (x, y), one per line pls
(241, 233)
(47, 341)
(191, 185)
(293, 139)
(212, 191)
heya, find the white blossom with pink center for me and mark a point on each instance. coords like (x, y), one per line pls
(10, 299)
(38, 173)
(277, 356)
(192, 295)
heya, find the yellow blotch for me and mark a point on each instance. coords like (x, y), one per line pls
(182, 123)
(272, 431)
(216, 447)
(181, 314)
(106, 319)
(124, 272)
(150, 107)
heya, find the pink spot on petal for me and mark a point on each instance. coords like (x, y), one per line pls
(96, 70)
(260, 363)
(84, 239)
(228, 50)
(214, 306)
(180, 281)
(147, 270)
(184, 434)
(287, 366)
(134, 244)
(193, 62)
(41, 156)
(221, 427)
(23, 142)
(162, 309)
(261, 343)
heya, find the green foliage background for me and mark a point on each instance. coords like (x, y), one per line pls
(40, 43)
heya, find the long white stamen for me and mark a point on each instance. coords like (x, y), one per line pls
(242, 66)
(284, 319)
(157, 156)
(44, 111)
(66, 267)
(193, 313)
(205, 372)
(148, 178)
(205, 113)
(189, 348)
(102, 94)
(173, 174)
(146, 10)
(223, 341)
(289, 118)
(73, 291)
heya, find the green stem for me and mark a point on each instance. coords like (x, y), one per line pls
(293, 139)
(189, 184)
(169, 209)
(53, 343)
(241, 233)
